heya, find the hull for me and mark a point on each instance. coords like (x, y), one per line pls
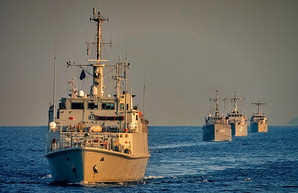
(259, 126)
(217, 132)
(90, 165)
(239, 129)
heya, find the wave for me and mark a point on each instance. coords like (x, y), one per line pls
(49, 176)
(154, 177)
(169, 146)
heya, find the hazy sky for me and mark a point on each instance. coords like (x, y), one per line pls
(188, 48)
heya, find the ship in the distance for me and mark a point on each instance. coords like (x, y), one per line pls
(237, 120)
(98, 137)
(216, 127)
(258, 121)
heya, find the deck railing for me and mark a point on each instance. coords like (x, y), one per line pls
(109, 141)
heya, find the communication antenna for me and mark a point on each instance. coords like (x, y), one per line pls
(144, 91)
(54, 83)
(126, 48)
(126, 64)
(88, 44)
(100, 8)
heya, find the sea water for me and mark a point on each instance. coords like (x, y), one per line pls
(180, 162)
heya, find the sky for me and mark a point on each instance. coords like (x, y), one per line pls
(182, 50)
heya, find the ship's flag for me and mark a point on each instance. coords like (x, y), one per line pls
(83, 75)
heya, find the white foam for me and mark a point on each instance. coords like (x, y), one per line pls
(154, 177)
(174, 146)
(47, 176)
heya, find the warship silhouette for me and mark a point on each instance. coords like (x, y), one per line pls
(237, 120)
(97, 137)
(216, 127)
(258, 121)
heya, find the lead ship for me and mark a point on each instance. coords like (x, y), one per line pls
(98, 138)
(237, 120)
(216, 128)
(258, 121)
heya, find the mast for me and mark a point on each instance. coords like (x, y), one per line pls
(98, 66)
(259, 104)
(224, 107)
(216, 99)
(235, 99)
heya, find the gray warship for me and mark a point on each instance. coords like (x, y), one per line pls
(97, 137)
(258, 121)
(216, 127)
(237, 120)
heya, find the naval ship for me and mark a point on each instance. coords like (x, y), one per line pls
(216, 127)
(98, 138)
(258, 121)
(237, 120)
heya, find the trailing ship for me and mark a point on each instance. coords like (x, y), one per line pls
(258, 121)
(98, 138)
(237, 120)
(216, 127)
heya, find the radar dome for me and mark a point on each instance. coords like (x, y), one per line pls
(52, 125)
(81, 93)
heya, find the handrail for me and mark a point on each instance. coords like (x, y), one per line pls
(102, 140)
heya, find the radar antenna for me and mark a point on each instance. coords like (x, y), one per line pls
(259, 104)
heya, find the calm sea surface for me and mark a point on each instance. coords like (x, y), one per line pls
(179, 162)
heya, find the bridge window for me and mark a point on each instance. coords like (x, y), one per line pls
(92, 105)
(77, 105)
(62, 105)
(108, 106)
